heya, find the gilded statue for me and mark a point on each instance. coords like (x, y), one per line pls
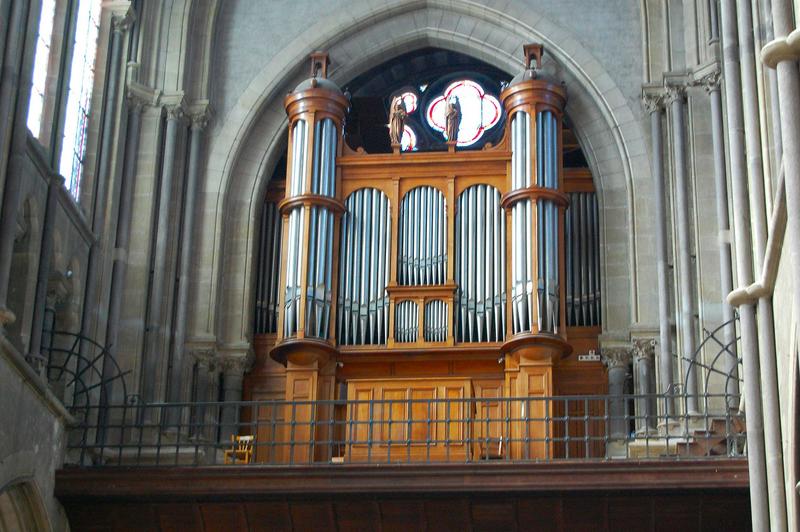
(452, 119)
(397, 120)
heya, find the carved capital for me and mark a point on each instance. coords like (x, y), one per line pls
(122, 22)
(135, 102)
(199, 121)
(616, 357)
(674, 93)
(235, 366)
(174, 111)
(710, 82)
(644, 349)
(653, 103)
(204, 357)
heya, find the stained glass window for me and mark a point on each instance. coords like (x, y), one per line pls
(79, 96)
(40, 65)
(409, 140)
(479, 111)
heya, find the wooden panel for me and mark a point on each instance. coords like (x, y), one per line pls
(413, 428)
(356, 516)
(312, 516)
(266, 516)
(221, 517)
(541, 514)
(401, 515)
(179, 517)
(493, 515)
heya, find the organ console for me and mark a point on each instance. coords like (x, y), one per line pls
(435, 274)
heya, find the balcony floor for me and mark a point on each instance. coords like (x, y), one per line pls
(608, 495)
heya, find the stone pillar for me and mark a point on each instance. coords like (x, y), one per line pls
(781, 56)
(103, 177)
(618, 361)
(683, 234)
(43, 275)
(644, 378)
(654, 106)
(711, 84)
(233, 368)
(199, 123)
(756, 460)
(155, 344)
(120, 260)
(204, 361)
(17, 64)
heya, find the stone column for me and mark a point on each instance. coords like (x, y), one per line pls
(233, 369)
(758, 224)
(204, 361)
(120, 260)
(654, 106)
(756, 461)
(780, 55)
(711, 84)
(199, 123)
(17, 65)
(685, 271)
(155, 344)
(43, 275)
(643, 367)
(618, 360)
(103, 177)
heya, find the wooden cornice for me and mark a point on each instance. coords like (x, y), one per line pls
(256, 482)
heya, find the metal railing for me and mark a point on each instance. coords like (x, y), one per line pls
(427, 431)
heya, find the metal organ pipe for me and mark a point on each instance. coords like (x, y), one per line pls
(422, 256)
(406, 322)
(522, 242)
(365, 243)
(547, 222)
(319, 240)
(268, 270)
(435, 321)
(480, 266)
(582, 238)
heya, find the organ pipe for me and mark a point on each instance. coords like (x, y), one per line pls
(406, 322)
(435, 321)
(422, 253)
(267, 270)
(365, 244)
(480, 267)
(582, 260)
(535, 105)
(316, 110)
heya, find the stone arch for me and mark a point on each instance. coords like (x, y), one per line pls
(22, 507)
(244, 148)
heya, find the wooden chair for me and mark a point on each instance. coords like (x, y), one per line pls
(241, 451)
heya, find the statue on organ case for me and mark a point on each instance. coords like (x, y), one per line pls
(452, 119)
(397, 120)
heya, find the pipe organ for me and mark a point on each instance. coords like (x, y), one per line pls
(477, 267)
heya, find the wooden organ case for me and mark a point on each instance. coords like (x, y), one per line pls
(424, 276)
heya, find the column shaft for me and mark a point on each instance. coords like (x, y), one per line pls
(14, 97)
(176, 391)
(662, 267)
(684, 258)
(120, 264)
(731, 365)
(155, 326)
(758, 220)
(788, 82)
(756, 461)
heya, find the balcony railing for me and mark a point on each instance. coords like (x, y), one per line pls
(478, 430)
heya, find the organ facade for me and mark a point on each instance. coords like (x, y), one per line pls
(458, 271)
